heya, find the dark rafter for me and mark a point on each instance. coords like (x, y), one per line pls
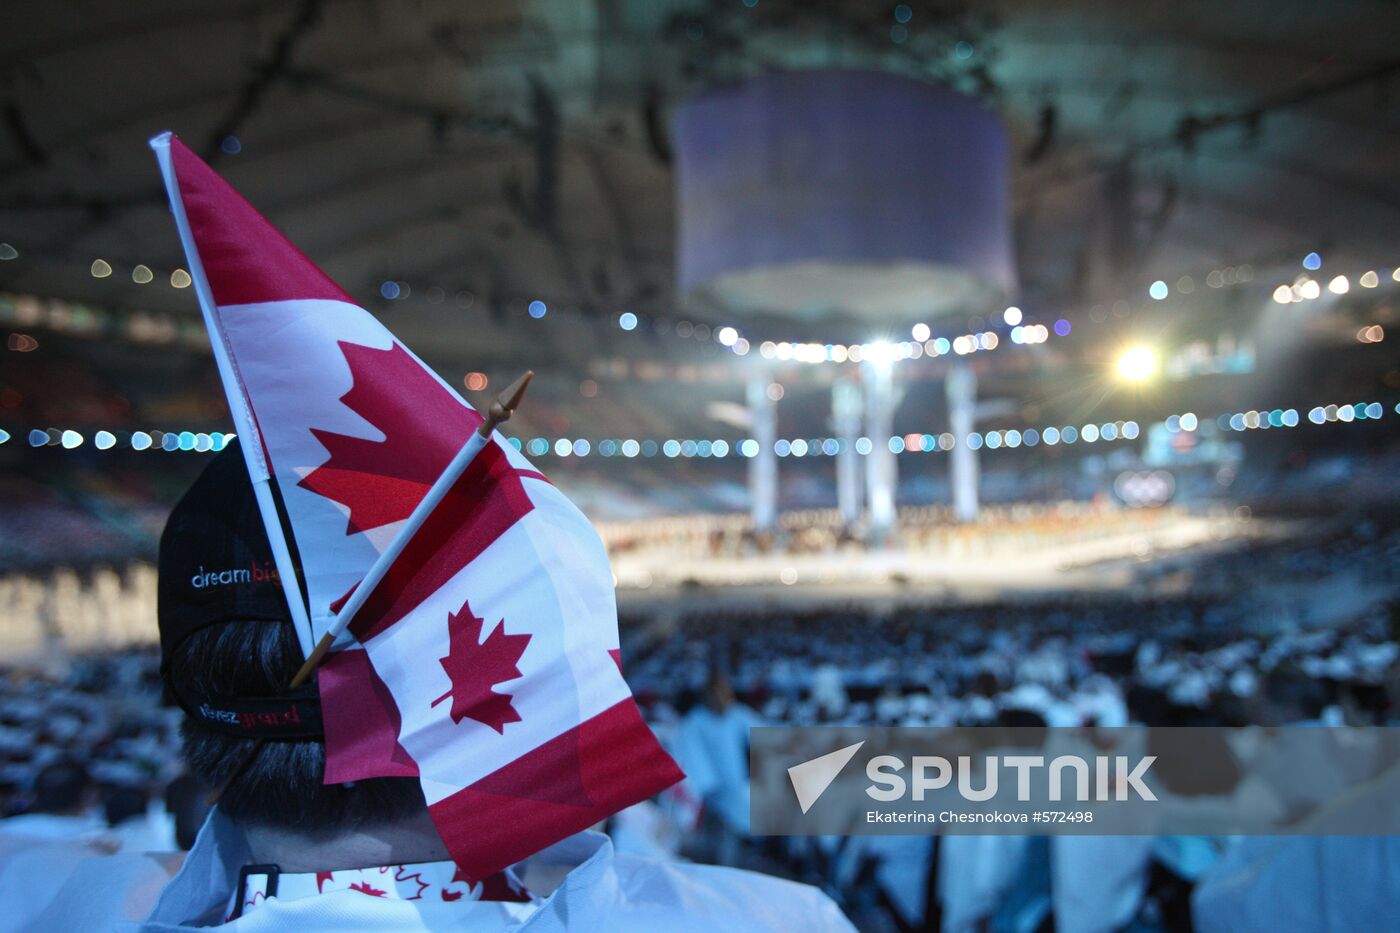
(264, 76)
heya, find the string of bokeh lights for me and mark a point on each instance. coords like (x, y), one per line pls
(719, 448)
(158, 441)
(730, 338)
(1306, 288)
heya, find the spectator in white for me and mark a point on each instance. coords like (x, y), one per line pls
(1267, 883)
(713, 749)
(133, 823)
(976, 874)
(829, 690)
(64, 808)
(283, 851)
(1098, 702)
(1098, 881)
(41, 848)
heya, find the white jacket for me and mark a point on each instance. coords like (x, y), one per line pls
(604, 891)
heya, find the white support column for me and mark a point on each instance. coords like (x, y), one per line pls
(961, 387)
(763, 467)
(881, 470)
(845, 424)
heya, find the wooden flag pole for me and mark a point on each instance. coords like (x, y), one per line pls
(497, 413)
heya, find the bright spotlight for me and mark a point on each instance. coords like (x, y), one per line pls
(881, 353)
(1136, 364)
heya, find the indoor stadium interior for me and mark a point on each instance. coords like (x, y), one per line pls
(936, 364)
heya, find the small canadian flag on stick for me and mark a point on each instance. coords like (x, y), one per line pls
(483, 659)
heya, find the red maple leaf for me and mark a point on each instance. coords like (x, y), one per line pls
(403, 876)
(475, 667)
(321, 878)
(497, 887)
(364, 887)
(424, 425)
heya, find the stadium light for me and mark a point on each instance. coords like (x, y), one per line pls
(881, 353)
(1136, 364)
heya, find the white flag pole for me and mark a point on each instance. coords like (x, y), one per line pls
(250, 440)
(498, 413)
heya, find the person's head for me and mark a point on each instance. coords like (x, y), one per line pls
(229, 652)
(1194, 762)
(64, 788)
(187, 801)
(718, 692)
(123, 802)
(281, 786)
(1287, 695)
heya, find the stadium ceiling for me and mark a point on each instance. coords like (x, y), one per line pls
(497, 153)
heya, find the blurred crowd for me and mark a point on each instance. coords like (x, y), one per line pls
(89, 764)
(1363, 549)
(101, 723)
(1071, 661)
(89, 752)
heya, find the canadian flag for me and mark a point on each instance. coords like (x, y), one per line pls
(485, 661)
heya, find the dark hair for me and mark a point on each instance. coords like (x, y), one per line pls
(281, 785)
(60, 787)
(1293, 695)
(121, 803)
(1194, 762)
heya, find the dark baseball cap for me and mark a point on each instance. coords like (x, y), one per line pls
(216, 566)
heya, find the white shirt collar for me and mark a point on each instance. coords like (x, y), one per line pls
(436, 881)
(199, 893)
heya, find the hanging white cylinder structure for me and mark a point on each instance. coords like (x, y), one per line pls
(842, 195)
